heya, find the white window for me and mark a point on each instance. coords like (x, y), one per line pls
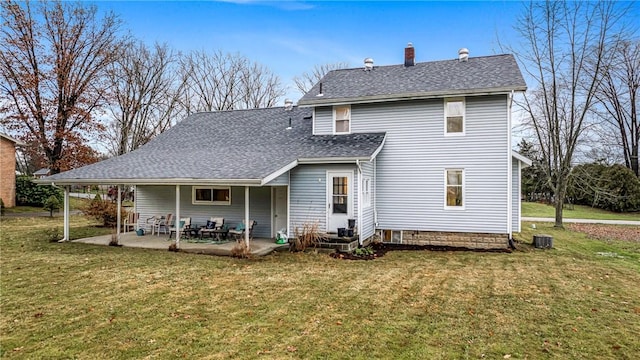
(211, 195)
(454, 112)
(366, 192)
(342, 119)
(454, 189)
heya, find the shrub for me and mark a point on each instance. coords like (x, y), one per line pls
(104, 211)
(614, 188)
(52, 204)
(307, 236)
(31, 194)
(53, 234)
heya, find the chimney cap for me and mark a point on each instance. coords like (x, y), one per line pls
(368, 63)
(409, 44)
(463, 54)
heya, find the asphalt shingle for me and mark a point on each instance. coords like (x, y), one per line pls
(236, 145)
(423, 79)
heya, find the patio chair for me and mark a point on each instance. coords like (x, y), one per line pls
(238, 232)
(213, 227)
(131, 221)
(163, 223)
(184, 225)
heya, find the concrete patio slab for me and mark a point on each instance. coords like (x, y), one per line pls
(259, 246)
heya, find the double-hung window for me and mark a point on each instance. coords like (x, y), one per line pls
(454, 189)
(211, 195)
(454, 113)
(342, 119)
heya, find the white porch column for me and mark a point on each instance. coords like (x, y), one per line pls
(119, 213)
(246, 215)
(178, 229)
(65, 225)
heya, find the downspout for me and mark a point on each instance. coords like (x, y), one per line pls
(509, 171)
(65, 223)
(359, 201)
(374, 191)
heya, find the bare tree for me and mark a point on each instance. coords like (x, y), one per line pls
(53, 61)
(219, 81)
(146, 88)
(565, 54)
(618, 96)
(305, 82)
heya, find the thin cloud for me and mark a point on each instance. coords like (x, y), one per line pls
(282, 5)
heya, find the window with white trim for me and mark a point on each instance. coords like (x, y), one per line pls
(366, 192)
(211, 195)
(454, 113)
(342, 119)
(454, 188)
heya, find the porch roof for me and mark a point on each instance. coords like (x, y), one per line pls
(241, 147)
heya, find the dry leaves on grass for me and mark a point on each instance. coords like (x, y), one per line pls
(608, 232)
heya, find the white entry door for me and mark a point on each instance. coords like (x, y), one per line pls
(339, 199)
(279, 209)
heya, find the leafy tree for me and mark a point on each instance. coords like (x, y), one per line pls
(534, 182)
(614, 188)
(52, 204)
(31, 194)
(53, 61)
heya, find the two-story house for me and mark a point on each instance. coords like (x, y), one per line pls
(414, 153)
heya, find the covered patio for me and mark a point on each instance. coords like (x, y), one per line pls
(259, 246)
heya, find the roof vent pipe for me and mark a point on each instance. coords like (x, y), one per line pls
(288, 104)
(463, 55)
(320, 91)
(368, 64)
(409, 55)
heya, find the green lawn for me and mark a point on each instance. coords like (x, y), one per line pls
(531, 209)
(579, 300)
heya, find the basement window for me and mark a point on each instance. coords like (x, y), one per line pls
(211, 195)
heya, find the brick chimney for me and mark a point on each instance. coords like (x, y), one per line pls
(409, 55)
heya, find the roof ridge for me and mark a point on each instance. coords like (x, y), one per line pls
(422, 62)
(236, 110)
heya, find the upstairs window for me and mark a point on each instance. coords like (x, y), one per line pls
(342, 119)
(454, 111)
(454, 190)
(211, 195)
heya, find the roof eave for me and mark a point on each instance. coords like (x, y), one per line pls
(174, 181)
(525, 160)
(409, 96)
(333, 160)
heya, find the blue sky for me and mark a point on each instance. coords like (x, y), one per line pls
(290, 37)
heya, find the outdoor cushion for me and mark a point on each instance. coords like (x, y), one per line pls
(240, 227)
(211, 224)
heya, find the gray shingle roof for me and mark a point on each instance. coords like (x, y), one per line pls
(435, 78)
(227, 145)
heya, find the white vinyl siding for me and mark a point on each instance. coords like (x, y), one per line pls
(409, 179)
(160, 200)
(515, 197)
(308, 195)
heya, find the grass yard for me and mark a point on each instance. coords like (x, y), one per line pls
(579, 300)
(532, 209)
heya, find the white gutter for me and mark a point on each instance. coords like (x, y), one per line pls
(335, 160)
(375, 153)
(238, 182)
(279, 172)
(409, 96)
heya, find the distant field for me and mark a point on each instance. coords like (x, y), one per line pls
(530, 209)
